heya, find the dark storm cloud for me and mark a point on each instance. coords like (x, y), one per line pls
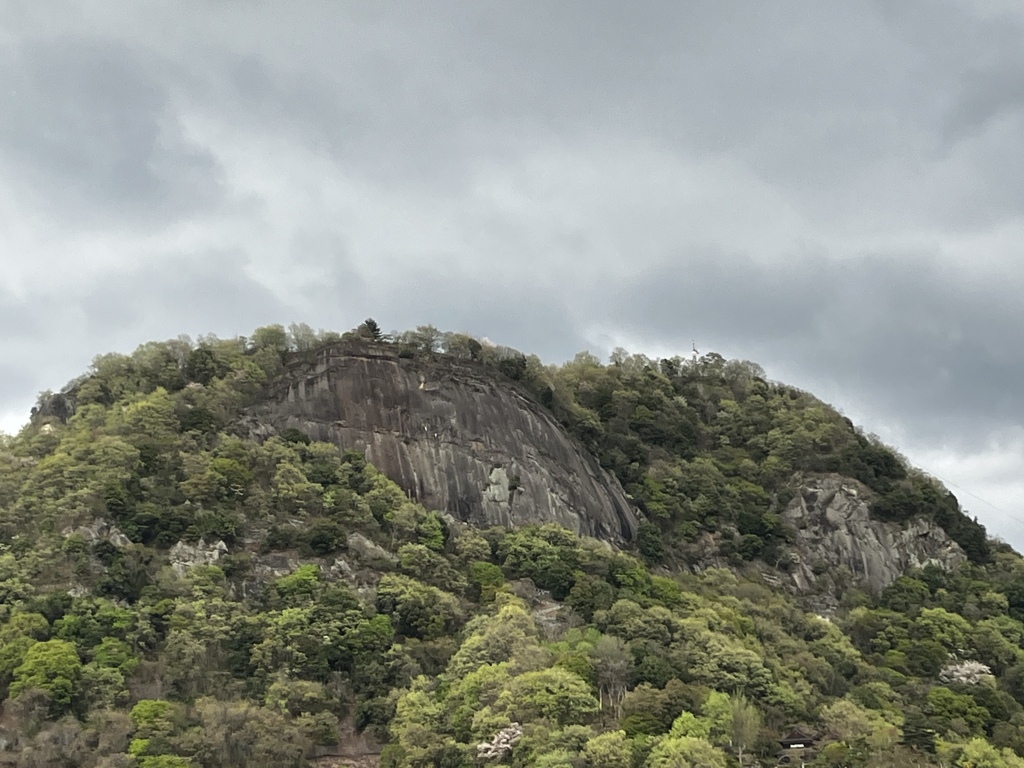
(918, 341)
(831, 189)
(88, 132)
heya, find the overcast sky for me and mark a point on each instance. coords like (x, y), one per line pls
(833, 190)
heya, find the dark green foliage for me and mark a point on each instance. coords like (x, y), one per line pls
(649, 542)
(513, 367)
(293, 435)
(202, 366)
(544, 554)
(324, 537)
(918, 497)
(370, 330)
(198, 419)
(255, 656)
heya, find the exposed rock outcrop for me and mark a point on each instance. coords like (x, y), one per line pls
(836, 538)
(453, 435)
(369, 552)
(184, 557)
(99, 530)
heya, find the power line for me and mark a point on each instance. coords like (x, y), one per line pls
(975, 496)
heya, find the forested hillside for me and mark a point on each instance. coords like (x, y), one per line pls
(177, 591)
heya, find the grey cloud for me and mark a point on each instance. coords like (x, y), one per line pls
(177, 295)
(836, 105)
(14, 379)
(152, 301)
(678, 124)
(523, 313)
(18, 319)
(88, 129)
(899, 335)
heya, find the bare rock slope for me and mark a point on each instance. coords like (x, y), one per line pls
(453, 436)
(837, 539)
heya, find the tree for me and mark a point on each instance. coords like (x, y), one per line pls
(51, 666)
(486, 578)
(978, 753)
(272, 337)
(688, 724)
(685, 752)
(859, 728)
(608, 750)
(301, 337)
(590, 594)
(956, 713)
(426, 338)
(416, 727)
(370, 330)
(557, 695)
(417, 610)
(234, 733)
(21, 632)
(510, 634)
(745, 725)
(613, 665)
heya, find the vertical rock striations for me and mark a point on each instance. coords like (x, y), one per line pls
(454, 436)
(835, 534)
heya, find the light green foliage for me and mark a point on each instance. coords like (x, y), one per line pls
(154, 718)
(431, 532)
(423, 563)
(977, 753)
(426, 647)
(685, 752)
(950, 630)
(555, 695)
(557, 759)
(416, 725)
(956, 714)
(51, 666)
(744, 725)
(688, 724)
(112, 653)
(299, 586)
(859, 727)
(717, 714)
(297, 697)
(487, 578)
(608, 750)
(17, 635)
(292, 491)
(474, 694)
(509, 635)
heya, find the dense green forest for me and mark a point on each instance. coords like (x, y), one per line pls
(130, 636)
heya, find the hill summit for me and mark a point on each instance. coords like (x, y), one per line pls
(423, 549)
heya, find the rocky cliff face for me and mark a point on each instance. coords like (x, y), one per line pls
(836, 539)
(453, 436)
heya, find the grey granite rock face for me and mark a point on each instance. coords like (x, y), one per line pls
(454, 436)
(835, 534)
(100, 530)
(183, 557)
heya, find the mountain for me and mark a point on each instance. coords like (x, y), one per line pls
(425, 550)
